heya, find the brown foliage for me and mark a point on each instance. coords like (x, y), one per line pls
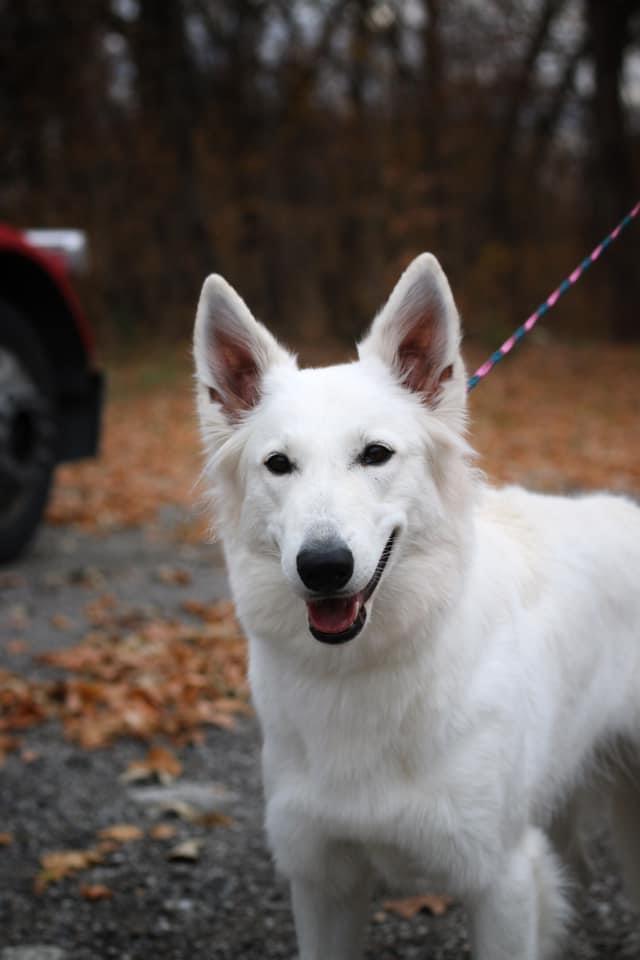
(159, 762)
(158, 677)
(561, 418)
(149, 459)
(409, 907)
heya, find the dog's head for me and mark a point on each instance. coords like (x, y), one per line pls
(325, 480)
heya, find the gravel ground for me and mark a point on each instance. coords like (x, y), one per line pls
(225, 904)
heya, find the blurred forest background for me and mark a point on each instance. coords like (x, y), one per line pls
(307, 149)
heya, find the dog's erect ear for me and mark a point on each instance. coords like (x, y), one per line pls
(232, 350)
(417, 332)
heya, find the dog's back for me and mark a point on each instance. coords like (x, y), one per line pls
(572, 563)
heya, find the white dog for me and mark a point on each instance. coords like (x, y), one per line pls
(443, 672)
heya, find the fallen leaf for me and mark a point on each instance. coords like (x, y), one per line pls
(63, 863)
(195, 607)
(163, 831)
(7, 743)
(100, 611)
(106, 847)
(410, 906)
(95, 891)
(188, 850)
(209, 612)
(213, 819)
(29, 756)
(121, 832)
(6, 839)
(159, 762)
(175, 576)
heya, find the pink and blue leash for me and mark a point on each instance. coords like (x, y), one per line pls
(550, 302)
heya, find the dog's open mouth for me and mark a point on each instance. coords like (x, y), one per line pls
(338, 619)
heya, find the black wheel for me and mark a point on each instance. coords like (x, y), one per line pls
(27, 431)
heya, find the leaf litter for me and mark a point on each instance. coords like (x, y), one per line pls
(95, 891)
(121, 832)
(150, 678)
(58, 865)
(163, 831)
(159, 763)
(409, 907)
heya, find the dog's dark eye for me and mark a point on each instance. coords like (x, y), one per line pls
(279, 464)
(374, 454)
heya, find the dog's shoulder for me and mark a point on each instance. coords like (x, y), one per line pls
(522, 513)
(510, 541)
(539, 541)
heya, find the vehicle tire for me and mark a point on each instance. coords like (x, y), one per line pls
(27, 431)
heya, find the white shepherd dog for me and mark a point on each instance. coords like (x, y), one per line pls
(446, 675)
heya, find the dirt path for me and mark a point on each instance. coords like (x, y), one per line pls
(219, 899)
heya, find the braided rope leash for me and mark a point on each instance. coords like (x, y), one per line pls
(550, 302)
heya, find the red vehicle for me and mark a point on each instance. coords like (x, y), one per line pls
(50, 389)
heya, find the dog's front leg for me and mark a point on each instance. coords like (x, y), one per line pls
(523, 912)
(330, 924)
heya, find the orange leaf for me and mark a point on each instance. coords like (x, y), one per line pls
(95, 891)
(121, 832)
(410, 906)
(63, 863)
(159, 762)
(213, 819)
(163, 831)
(7, 744)
(173, 575)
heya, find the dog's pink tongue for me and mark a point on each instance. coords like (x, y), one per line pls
(333, 616)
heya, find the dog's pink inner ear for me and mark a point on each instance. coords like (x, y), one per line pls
(420, 357)
(238, 375)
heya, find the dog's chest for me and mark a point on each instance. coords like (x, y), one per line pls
(380, 801)
(348, 740)
(368, 769)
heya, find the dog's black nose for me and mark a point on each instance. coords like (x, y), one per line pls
(325, 566)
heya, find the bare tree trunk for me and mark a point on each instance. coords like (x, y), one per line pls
(507, 141)
(170, 97)
(435, 121)
(548, 119)
(614, 183)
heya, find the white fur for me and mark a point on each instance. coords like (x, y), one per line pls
(499, 662)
